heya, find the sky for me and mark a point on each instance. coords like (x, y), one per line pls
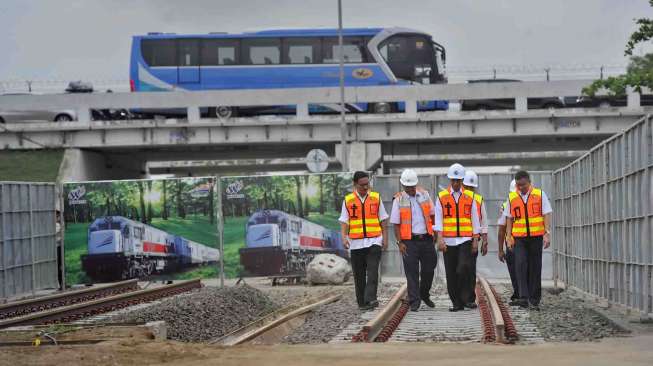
(90, 39)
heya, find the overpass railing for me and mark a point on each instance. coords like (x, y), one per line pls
(603, 218)
(302, 97)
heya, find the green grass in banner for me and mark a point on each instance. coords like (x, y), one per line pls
(74, 247)
(195, 228)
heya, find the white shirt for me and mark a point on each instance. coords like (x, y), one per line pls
(502, 217)
(417, 217)
(546, 205)
(476, 225)
(364, 242)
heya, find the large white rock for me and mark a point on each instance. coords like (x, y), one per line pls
(327, 269)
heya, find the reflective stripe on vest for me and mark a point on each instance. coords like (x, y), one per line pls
(406, 213)
(363, 217)
(456, 217)
(527, 216)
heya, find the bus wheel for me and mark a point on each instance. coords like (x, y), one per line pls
(224, 112)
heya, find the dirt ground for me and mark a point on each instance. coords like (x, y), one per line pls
(635, 350)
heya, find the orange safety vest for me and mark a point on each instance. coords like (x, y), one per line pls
(405, 212)
(363, 217)
(528, 218)
(479, 201)
(456, 217)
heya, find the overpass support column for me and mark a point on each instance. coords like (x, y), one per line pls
(80, 165)
(362, 155)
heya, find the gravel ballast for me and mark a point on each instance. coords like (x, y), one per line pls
(207, 313)
(566, 317)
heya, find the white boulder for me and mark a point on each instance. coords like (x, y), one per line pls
(328, 269)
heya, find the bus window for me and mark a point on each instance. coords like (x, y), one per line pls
(354, 50)
(261, 51)
(159, 52)
(189, 52)
(301, 50)
(219, 52)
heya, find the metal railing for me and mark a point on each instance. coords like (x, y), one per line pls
(603, 214)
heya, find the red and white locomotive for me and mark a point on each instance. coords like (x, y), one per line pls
(120, 248)
(280, 243)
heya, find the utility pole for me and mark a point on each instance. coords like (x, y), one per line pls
(344, 159)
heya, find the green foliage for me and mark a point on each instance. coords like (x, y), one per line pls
(642, 34)
(30, 166)
(639, 74)
(74, 247)
(640, 70)
(194, 227)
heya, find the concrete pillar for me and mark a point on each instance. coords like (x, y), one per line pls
(521, 104)
(193, 114)
(80, 165)
(362, 156)
(302, 110)
(411, 108)
(633, 100)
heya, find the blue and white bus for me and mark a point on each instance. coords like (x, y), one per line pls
(288, 59)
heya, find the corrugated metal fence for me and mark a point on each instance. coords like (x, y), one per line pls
(603, 212)
(494, 188)
(28, 258)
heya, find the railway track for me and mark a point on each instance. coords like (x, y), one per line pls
(80, 310)
(491, 322)
(24, 307)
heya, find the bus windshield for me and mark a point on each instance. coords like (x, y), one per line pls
(411, 57)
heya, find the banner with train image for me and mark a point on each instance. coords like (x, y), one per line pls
(274, 225)
(141, 228)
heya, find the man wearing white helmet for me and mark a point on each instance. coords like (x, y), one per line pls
(508, 255)
(412, 215)
(457, 224)
(470, 184)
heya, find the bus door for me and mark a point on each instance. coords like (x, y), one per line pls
(188, 61)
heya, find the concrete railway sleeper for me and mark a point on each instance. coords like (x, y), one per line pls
(496, 324)
(24, 307)
(85, 309)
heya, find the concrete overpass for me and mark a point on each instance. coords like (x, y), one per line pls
(120, 149)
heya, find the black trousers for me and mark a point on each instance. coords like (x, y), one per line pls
(510, 262)
(365, 265)
(458, 266)
(419, 264)
(528, 268)
(472, 279)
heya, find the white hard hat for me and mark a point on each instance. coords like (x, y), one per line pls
(408, 178)
(471, 179)
(456, 171)
(513, 185)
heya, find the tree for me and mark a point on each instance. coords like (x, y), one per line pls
(181, 212)
(141, 195)
(639, 73)
(164, 209)
(298, 184)
(321, 194)
(149, 200)
(211, 201)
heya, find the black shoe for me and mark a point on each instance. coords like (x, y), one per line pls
(523, 304)
(373, 304)
(456, 308)
(514, 297)
(471, 305)
(414, 307)
(514, 302)
(429, 303)
(534, 307)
